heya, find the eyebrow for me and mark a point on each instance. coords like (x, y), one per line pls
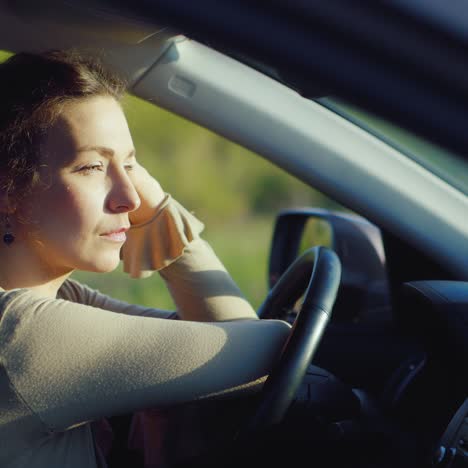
(104, 151)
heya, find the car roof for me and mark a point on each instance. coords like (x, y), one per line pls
(405, 61)
(400, 61)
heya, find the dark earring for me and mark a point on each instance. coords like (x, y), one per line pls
(8, 237)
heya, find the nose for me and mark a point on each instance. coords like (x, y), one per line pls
(123, 196)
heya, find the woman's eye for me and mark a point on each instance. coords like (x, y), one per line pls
(91, 168)
(129, 167)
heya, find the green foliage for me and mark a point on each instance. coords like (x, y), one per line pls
(4, 55)
(316, 232)
(219, 179)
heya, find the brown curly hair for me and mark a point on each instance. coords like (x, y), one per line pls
(33, 91)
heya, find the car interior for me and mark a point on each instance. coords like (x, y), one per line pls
(375, 373)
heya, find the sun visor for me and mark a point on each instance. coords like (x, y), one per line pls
(94, 17)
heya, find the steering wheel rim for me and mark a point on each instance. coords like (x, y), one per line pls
(318, 271)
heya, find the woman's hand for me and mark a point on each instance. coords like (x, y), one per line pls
(150, 192)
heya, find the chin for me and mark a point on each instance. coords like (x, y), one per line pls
(104, 265)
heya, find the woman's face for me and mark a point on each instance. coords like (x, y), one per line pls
(79, 220)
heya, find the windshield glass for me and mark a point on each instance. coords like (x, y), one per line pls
(445, 164)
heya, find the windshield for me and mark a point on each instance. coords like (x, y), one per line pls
(445, 164)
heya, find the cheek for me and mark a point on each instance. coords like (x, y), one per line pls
(65, 210)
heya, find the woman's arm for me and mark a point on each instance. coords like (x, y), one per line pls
(79, 293)
(165, 237)
(170, 243)
(202, 288)
(71, 363)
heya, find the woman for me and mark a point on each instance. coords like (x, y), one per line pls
(73, 197)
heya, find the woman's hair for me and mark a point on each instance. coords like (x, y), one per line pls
(33, 90)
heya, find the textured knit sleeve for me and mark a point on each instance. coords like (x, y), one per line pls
(74, 291)
(170, 243)
(71, 363)
(161, 240)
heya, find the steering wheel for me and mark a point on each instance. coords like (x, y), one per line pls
(318, 272)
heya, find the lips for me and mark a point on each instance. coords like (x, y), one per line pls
(117, 235)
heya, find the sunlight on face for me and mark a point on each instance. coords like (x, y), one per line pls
(79, 220)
